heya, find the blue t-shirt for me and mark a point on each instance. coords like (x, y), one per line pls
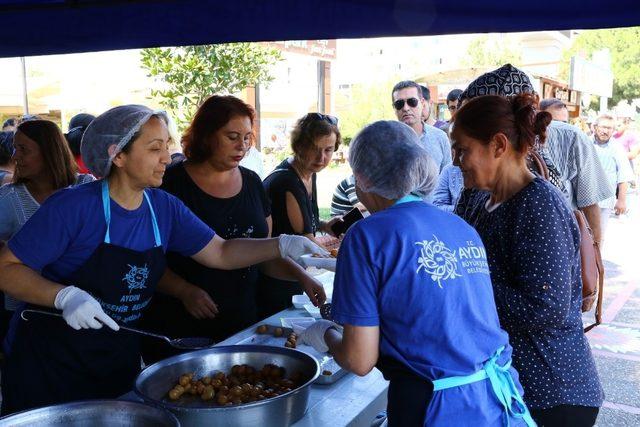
(61, 236)
(421, 275)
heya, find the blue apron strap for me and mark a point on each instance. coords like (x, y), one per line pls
(501, 383)
(106, 204)
(408, 198)
(451, 382)
(154, 221)
(505, 390)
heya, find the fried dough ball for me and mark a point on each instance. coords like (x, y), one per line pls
(244, 384)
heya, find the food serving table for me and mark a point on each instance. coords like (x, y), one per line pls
(350, 401)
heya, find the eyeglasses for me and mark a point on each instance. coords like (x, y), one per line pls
(399, 104)
(315, 117)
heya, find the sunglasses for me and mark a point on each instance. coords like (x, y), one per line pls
(319, 117)
(399, 104)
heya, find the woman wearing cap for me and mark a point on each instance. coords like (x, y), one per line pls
(77, 126)
(101, 263)
(291, 187)
(230, 199)
(532, 242)
(413, 293)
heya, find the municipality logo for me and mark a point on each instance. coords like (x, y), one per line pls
(438, 261)
(136, 277)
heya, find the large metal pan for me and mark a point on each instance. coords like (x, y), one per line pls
(93, 413)
(155, 381)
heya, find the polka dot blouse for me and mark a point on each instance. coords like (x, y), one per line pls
(532, 243)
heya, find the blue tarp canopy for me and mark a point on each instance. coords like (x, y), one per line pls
(39, 27)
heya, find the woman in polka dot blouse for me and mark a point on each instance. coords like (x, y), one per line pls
(532, 244)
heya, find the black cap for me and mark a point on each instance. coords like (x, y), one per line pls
(547, 103)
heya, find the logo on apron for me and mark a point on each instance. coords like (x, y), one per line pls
(136, 277)
(437, 260)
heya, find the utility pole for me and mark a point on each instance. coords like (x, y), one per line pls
(24, 85)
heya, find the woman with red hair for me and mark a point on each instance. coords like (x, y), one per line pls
(231, 200)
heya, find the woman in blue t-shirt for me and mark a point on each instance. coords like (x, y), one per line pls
(413, 293)
(96, 252)
(532, 243)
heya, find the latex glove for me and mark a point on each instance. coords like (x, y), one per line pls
(296, 246)
(81, 311)
(314, 335)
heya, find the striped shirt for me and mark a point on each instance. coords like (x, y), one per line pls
(573, 153)
(616, 167)
(17, 205)
(344, 197)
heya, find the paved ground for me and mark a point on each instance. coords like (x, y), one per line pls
(616, 344)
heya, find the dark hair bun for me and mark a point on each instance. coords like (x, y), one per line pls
(530, 124)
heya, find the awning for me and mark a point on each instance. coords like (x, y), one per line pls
(39, 27)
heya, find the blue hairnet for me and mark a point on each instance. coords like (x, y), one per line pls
(389, 160)
(115, 127)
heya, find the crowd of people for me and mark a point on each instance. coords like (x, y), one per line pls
(462, 285)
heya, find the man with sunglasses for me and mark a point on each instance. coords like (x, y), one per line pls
(409, 103)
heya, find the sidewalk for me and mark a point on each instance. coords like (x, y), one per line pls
(616, 343)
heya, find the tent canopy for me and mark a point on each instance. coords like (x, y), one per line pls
(40, 27)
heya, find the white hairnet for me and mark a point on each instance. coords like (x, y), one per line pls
(115, 127)
(389, 160)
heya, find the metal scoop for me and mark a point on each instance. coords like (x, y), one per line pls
(190, 343)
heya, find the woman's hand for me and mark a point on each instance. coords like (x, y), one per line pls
(198, 303)
(313, 289)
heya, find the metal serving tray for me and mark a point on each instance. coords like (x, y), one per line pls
(327, 364)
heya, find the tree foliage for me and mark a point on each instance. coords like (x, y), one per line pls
(361, 105)
(625, 57)
(190, 74)
(492, 50)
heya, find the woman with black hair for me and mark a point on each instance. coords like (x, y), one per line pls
(77, 126)
(533, 248)
(6, 153)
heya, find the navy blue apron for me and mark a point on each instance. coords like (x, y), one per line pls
(52, 363)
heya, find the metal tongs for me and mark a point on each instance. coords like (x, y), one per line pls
(190, 343)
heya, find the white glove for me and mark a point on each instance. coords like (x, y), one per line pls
(81, 311)
(296, 246)
(314, 335)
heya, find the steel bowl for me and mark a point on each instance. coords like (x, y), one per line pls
(155, 381)
(93, 413)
